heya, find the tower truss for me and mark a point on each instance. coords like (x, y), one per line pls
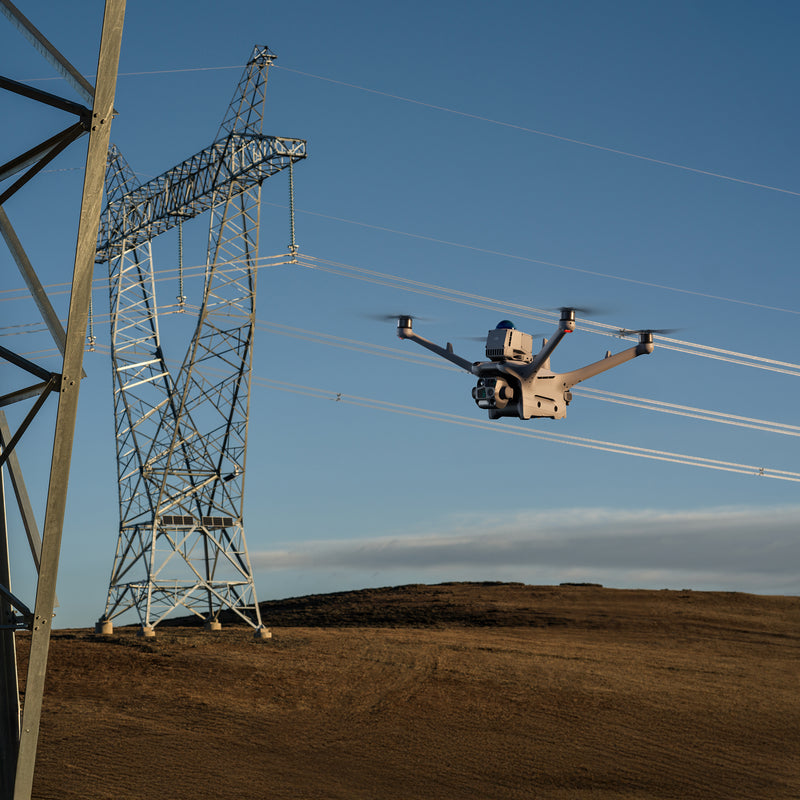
(182, 439)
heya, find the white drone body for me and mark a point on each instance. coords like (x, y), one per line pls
(515, 382)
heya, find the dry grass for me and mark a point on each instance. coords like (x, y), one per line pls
(436, 692)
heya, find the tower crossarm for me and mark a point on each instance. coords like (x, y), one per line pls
(189, 189)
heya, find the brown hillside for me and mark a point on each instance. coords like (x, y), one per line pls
(486, 691)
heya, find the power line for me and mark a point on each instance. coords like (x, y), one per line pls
(525, 129)
(468, 115)
(354, 345)
(481, 301)
(529, 312)
(690, 411)
(577, 441)
(143, 72)
(100, 283)
(423, 359)
(599, 394)
(526, 259)
(555, 265)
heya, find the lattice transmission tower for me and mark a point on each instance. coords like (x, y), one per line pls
(182, 438)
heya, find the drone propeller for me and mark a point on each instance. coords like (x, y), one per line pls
(594, 310)
(394, 317)
(664, 331)
(576, 309)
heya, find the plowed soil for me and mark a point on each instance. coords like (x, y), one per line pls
(455, 691)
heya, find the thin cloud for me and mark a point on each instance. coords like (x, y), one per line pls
(720, 543)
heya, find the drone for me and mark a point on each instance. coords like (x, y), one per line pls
(515, 382)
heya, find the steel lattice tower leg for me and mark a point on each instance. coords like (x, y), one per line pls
(143, 400)
(181, 446)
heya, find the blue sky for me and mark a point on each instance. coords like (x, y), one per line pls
(634, 157)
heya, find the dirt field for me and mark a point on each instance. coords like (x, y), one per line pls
(430, 692)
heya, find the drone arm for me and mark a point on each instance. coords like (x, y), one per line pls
(644, 347)
(540, 359)
(566, 325)
(404, 331)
